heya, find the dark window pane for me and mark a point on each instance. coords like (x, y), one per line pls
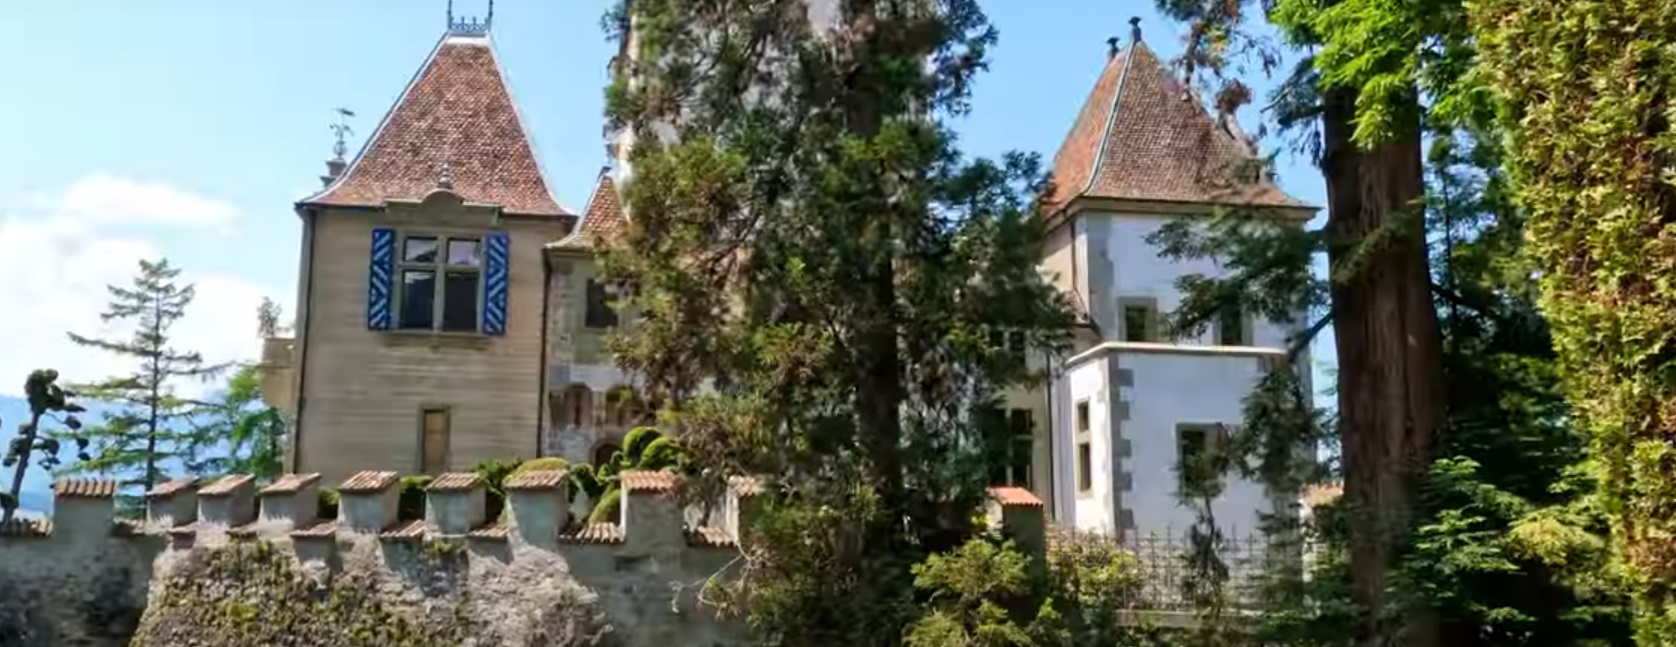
(1021, 459)
(599, 314)
(1230, 327)
(419, 250)
(1082, 416)
(1136, 323)
(464, 252)
(1085, 464)
(459, 302)
(418, 299)
(1015, 342)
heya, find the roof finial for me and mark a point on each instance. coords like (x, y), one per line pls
(1135, 29)
(1111, 47)
(340, 147)
(470, 26)
(445, 179)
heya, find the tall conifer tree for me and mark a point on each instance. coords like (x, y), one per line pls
(808, 242)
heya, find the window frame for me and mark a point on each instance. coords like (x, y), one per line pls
(1212, 433)
(1243, 330)
(439, 268)
(588, 321)
(1021, 434)
(1150, 333)
(1082, 433)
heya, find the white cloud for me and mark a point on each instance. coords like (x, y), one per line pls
(58, 257)
(109, 200)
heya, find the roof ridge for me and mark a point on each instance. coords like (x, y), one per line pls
(383, 121)
(1111, 119)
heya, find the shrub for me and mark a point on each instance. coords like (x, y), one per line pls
(494, 471)
(328, 503)
(638, 439)
(410, 504)
(606, 510)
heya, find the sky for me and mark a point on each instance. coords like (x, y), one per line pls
(189, 128)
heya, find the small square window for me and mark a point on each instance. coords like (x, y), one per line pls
(464, 252)
(1082, 417)
(599, 313)
(1230, 328)
(1085, 466)
(418, 249)
(1137, 323)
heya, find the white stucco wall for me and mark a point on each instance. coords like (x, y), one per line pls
(1142, 392)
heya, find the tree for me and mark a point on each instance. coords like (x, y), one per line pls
(1585, 92)
(142, 433)
(242, 434)
(46, 398)
(807, 241)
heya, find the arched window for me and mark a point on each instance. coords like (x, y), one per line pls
(604, 452)
(578, 403)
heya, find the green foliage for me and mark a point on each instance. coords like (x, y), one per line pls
(494, 473)
(584, 479)
(637, 440)
(410, 503)
(46, 398)
(253, 432)
(328, 499)
(1585, 92)
(149, 424)
(818, 252)
(609, 507)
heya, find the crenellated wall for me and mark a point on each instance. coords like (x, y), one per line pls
(227, 563)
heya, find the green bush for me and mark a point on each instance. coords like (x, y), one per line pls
(584, 479)
(540, 464)
(328, 503)
(494, 471)
(410, 504)
(661, 453)
(608, 507)
(638, 439)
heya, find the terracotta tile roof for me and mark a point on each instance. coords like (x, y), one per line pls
(226, 485)
(491, 532)
(745, 485)
(1323, 494)
(21, 527)
(84, 489)
(291, 483)
(184, 530)
(368, 482)
(604, 219)
(1009, 496)
(170, 488)
(644, 481)
(456, 114)
(322, 529)
(708, 536)
(1141, 135)
(594, 533)
(454, 482)
(537, 480)
(414, 529)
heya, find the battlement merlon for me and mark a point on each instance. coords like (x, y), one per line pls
(651, 517)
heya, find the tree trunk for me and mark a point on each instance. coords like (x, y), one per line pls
(1389, 351)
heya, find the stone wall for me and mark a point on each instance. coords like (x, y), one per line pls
(226, 563)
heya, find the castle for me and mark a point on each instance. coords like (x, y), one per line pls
(447, 310)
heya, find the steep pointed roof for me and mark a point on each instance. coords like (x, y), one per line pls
(1141, 135)
(604, 219)
(455, 115)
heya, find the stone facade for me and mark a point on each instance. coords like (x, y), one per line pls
(226, 563)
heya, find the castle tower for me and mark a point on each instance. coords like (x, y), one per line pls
(421, 339)
(1128, 403)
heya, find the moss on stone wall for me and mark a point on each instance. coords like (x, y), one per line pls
(252, 594)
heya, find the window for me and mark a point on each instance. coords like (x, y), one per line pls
(1082, 417)
(433, 441)
(1085, 466)
(441, 282)
(1139, 322)
(604, 453)
(1230, 328)
(1192, 446)
(577, 405)
(1021, 448)
(599, 314)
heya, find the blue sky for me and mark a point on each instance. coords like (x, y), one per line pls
(190, 127)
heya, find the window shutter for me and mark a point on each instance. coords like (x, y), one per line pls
(380, 270)
(495, 264)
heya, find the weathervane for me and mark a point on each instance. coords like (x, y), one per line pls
(342, 132)
(470, 26)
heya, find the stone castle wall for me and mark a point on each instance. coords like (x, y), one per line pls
(225, 563)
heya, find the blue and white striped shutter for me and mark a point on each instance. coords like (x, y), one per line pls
(381, 270)
(495, 262)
